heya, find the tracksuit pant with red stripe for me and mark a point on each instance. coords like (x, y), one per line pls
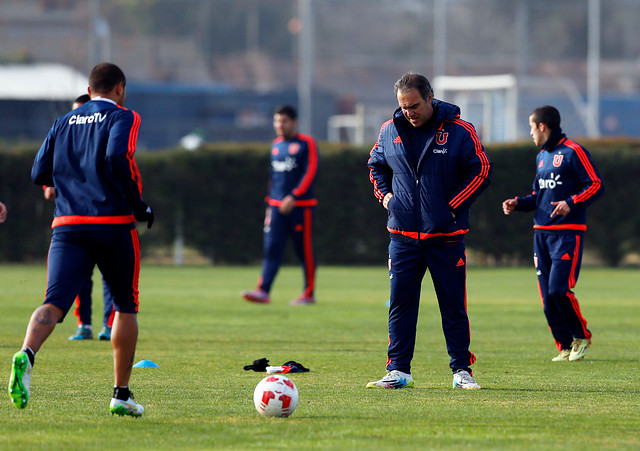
(408, 264)
(277, 229)
(83, 310)
(557, 258)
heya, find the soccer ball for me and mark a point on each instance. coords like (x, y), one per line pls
(275, 396)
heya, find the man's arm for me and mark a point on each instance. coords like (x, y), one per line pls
(307, 179)
(42, 170)
(380, 174)
(477, 166)
(123, 138)
(120, 160)
(588, 175)
(311, 168)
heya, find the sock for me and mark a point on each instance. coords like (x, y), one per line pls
(31, 355)
(121, 393)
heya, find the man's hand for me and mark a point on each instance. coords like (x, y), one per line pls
(387, 198)
(3, 212)
(144, 213)
(288, 203)
(562, 208)
(49, 193)
(509, 205)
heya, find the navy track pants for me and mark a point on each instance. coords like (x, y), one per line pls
(83, 310)
(407, 266)
(557, 258)
(277, 229)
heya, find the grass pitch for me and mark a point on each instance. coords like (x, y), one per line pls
(197, 328)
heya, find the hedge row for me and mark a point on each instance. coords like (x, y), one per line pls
(214, 197)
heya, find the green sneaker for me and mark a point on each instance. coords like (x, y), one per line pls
(128, 407)
(105, 334)
(20, 380)
(82, 333)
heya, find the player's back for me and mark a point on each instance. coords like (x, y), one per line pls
(91, 149)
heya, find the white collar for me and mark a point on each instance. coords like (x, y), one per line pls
(104, 99)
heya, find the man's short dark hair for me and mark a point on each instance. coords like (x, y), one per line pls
(84, 98)
(104, 77)
(411, 80)
(287, 110)
(547, 115)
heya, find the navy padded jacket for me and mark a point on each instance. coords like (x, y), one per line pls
(430, 201)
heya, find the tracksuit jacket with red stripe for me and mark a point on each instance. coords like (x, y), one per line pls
(88, 157)
(294, 166)
(565, 171)
(453, 169)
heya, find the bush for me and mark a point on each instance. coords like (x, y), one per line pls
(214, 197)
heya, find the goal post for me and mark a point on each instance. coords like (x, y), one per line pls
(484, 89)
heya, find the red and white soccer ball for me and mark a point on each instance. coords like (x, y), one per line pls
(275, 396)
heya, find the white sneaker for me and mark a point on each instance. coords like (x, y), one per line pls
(579, 348)
(393, 379)
(564, 355)
(128, 407)
(462, 379)
(20, 380)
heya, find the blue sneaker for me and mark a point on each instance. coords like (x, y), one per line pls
(83, 333)
(105, 334)
(393, 379)
(20, 380)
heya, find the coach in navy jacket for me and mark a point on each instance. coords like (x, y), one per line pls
(427, 168)
(429, 200)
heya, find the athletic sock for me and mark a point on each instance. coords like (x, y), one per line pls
(121, 393)
(31, 355)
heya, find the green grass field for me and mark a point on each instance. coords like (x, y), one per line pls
(196, 327)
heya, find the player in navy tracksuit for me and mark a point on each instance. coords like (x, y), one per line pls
(84, 330)
(566, 182)
(88, 156)
(427, 168)
(291, 206)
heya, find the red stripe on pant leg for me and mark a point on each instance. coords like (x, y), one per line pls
(558, 344)
(572, 283)
(576, 309)
(76, 311)
(574, 263)
(111, 317)
(136, 270)
(307, 245)
(388, 358)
